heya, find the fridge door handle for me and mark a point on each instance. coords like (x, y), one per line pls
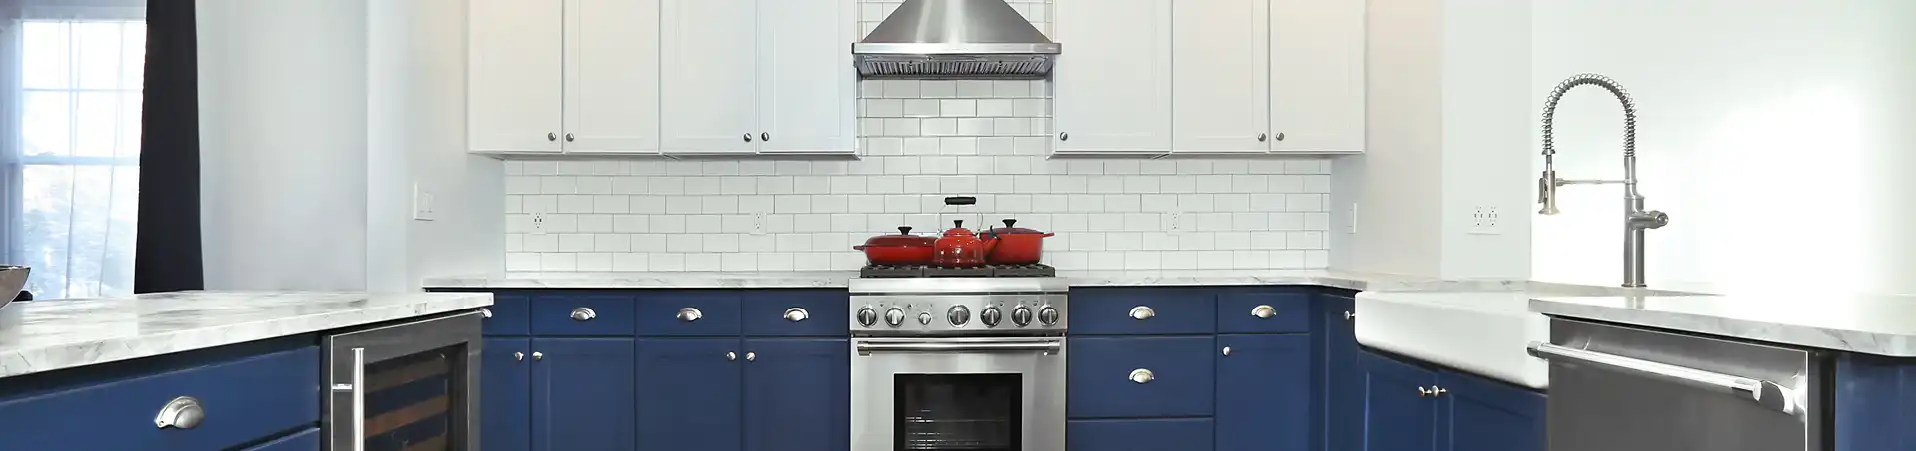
(357, 388)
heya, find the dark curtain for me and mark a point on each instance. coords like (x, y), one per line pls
(167, 256)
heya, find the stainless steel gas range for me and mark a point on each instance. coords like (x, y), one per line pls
(958, 363)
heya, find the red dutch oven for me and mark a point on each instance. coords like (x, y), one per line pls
(902, 249)
(1016, 245)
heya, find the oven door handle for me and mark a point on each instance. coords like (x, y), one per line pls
(1762, 392)
(1048, 347)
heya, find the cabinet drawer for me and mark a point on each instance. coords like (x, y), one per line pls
(1165, 311)
(582, 314)
(1290, 311)
(242, 400)
(1139, 435)
(307, 440)
(1178, 373)
(689, 313)
(511, 314)
(767, 313)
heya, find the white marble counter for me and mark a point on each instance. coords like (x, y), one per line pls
(839, 279)
(55, 334)
(1869, 324)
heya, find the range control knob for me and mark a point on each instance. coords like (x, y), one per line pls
(924, 318)
(991, 316)
(895, 317)
(959, 315)
(1021, 315)
(867, 316)
(1048, 315)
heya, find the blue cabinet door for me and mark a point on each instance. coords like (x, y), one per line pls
(505, 395)
(1264, 385)
(583, 394)
(690, 398)
(1475, 414)
(798, 394)
(1176, 377)
(307, 440)
(1397, 417)
(1179, 434)
(1343, 379)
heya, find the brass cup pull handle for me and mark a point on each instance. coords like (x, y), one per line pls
(1264, 312)
(1142, 313)
(796, 314)
(584, 314)
(183, 412)
(689, 314)
(1142, 376)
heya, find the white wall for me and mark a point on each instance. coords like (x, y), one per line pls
(1777, 134)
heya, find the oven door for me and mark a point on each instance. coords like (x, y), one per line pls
(406, 386)
(994, 394)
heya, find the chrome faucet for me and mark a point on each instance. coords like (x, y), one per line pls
(1635, 218)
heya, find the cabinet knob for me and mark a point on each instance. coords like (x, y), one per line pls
(1280, 136)
(583, 314)
(485, 313)
(767, 137)
(1263, 312)
(689, 314)
(1062, 136)
(729, 355)
(1141, 375)
(1142, 313)
(1349, 315)
(1436, 391)
(1429, 392)
(796, 314)
(568, 137)
(1262, 136)
(517, 356)
(750, 356)
(181, 413)
(748, 137)
(1227, 350)
(536, 355)
(552, 137)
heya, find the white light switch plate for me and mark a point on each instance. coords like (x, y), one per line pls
(422, 208)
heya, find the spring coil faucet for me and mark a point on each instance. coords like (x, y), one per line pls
(1635, 219)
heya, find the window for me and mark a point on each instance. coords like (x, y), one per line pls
(72, 160)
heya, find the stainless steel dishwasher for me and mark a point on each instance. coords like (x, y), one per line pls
(1620, 388)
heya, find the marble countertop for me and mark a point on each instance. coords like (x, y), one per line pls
(840, 279)
(64, 333)
(1869, 324)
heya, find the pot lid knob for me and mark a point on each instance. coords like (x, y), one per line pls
(904, 230)
(1009, 223)
(958, 223)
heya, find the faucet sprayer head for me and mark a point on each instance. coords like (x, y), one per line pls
(1547, 193)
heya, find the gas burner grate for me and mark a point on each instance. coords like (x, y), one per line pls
(910, 272)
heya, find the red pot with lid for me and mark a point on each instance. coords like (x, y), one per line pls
(1015, 245)
(903, 249)
(959, 248)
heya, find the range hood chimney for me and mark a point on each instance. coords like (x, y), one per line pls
(955, 39)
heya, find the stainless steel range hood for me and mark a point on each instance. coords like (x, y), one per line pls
(955, 39)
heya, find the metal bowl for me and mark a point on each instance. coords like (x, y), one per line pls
(12, 279)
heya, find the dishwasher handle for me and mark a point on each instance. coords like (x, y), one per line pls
(1762, 392)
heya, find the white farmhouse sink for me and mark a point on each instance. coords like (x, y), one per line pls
(1486, 333)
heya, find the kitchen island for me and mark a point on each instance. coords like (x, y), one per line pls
(98, 373)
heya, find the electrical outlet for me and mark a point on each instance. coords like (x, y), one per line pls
(1175, 221)
(1486, 220)
(538, 223)
(758, 223)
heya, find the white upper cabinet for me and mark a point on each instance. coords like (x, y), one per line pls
(513, 90)
(611, 76)
(709, 56)
(1112, 84)
(1317, 76)
(1220, 85)
(807, 88)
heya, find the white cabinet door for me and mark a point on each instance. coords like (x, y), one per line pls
(708, 52)
(1317, 76)
(1113, 82)
(1220, 86)
(513, 86)
(807, 87)
(612, 76)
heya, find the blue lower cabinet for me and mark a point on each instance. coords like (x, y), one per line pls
(1130, 377)
(505, 395)
(1398, 414)
(692, 395)
(1476, 414)
(1264, 385)
(307, 440)
(1178, 434)
(1343, 382)
(583, 394)
(797, 394)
